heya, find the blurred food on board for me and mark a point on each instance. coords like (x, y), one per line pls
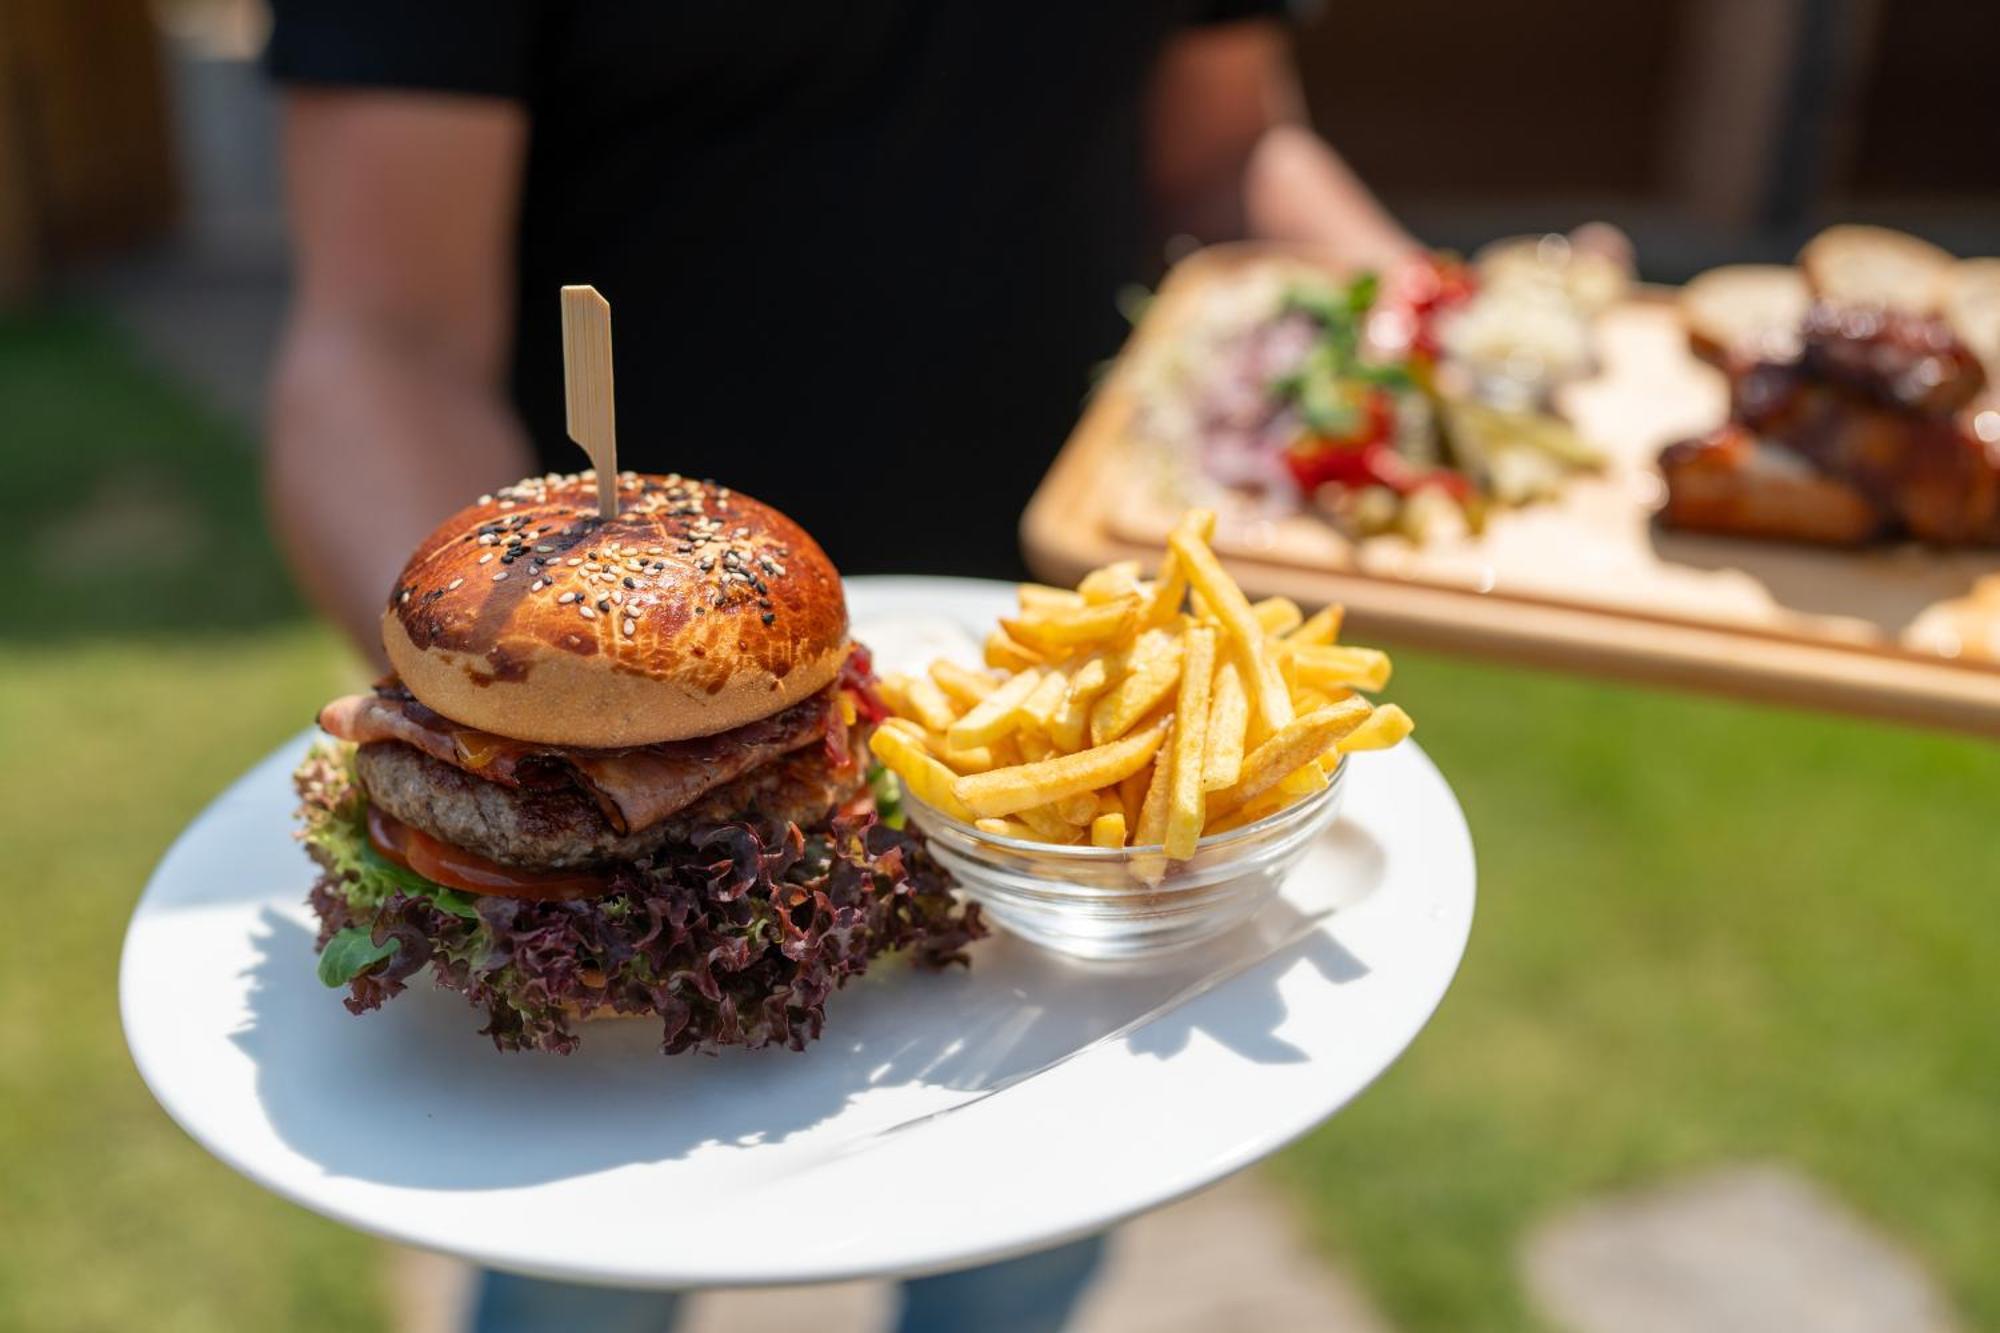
(1860, 398)
(1385, 403)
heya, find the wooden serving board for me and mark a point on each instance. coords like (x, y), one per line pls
(1588, 582)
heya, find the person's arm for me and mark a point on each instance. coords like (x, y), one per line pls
(389, 409)
(1230, 154)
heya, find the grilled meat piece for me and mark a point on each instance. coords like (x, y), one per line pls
(562, 828)
(1731, 482)
(1902, 361)
(1873, 418)
(1929, 473)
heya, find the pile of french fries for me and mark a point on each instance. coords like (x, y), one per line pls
(1138, 713)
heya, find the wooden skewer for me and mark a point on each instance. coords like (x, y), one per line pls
(586, 330)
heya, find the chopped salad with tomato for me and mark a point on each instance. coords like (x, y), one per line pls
(1344, 398)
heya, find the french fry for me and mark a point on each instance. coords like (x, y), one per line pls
(1306, 699)
(1045, 698)
(1079, 809)
(1262, 808)
(1108, 830)
(1040, 597)
(1006, 828)
(1060, 631)
(1302, 781)
(964, 685)
(1323, 626)
(1033, 745)
(977, 759)
(1298, 742)
(1332, 667)
(996, 715)
(910, 726)
(895, 691)
(1151, 668)
(1185, 805)
(1132, 794)
(929, 705)
(1264, 685)
(1111, 582)
(1385, 726)
(1048, 825)
(929, 781)
(1228, 725)
(1152, 826)
(1003, 654)
(1171, 588)
(1006, 790)
(1069, 725)
(1278, 615)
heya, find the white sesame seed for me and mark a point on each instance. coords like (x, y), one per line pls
(629, 627)
(538, 585)
(588, 614)
(618, 599)
(486, 559)
(486, 499)
(501, 575)
(576, 560)
(405, 597)
(566, 598)
(453, 584)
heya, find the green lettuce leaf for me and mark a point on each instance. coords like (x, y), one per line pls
(335, 832)
(350, 953)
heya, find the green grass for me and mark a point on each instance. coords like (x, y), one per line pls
(136, 515)
(1706, 933)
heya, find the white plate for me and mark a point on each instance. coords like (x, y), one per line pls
(942, 1120)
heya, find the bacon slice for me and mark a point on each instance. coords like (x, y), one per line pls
(635, 788)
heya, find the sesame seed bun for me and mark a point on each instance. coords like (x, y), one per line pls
(696, 610)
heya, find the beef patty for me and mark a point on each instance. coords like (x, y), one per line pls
(561, 828)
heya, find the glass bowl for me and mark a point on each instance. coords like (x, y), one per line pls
(1102, 903)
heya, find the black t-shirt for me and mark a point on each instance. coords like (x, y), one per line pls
(862, 258)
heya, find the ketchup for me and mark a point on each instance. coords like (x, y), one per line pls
(455, 868)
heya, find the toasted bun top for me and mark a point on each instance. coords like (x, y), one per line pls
(1741, 313)
(1873, 266)
(696, 610)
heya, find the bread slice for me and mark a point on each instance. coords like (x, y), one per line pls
(1873, 266)
(1969, 298)
(1744, 313)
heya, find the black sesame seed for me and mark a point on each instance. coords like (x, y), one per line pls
(768, 617)
(630, 582)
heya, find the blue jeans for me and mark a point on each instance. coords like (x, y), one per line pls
(1033, 1294)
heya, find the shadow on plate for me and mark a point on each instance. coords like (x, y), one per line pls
(411, 1096)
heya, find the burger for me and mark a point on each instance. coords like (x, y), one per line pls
(620, 768)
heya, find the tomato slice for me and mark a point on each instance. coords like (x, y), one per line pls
(469, 872)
